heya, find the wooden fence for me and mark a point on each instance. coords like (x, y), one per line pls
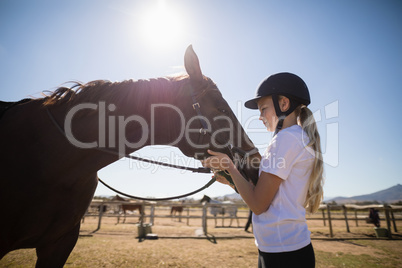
(100, 206)
(327, 213)
(385, 210)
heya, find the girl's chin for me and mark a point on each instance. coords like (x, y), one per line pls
(266, 125)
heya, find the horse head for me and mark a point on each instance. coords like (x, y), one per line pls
(205, 198)
(211, 123)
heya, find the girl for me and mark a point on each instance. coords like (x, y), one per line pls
(291, 173)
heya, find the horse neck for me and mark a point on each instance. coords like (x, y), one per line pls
(118, 125)
(157, 105)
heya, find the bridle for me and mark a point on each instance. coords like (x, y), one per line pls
(233, 152)
(236, 154)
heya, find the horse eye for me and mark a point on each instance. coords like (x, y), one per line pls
(222, 110)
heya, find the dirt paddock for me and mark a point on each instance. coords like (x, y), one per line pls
(182, 245)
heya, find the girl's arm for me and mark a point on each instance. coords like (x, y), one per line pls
(259, 197)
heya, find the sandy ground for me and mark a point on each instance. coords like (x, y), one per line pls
(181, 243)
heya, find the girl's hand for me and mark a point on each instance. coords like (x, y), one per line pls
(218, 161)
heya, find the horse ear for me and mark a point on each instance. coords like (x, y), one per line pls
(192, 64)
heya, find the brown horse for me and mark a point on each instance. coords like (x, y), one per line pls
(52, 148)
(176, 209)
(124, 207)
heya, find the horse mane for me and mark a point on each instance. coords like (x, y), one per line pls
(135, 91)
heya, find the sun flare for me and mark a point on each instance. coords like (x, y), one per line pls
(161, 25)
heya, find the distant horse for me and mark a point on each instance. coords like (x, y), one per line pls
(52, 148)
(218, 209)
(373, 217)
(176, 209)
(124, 207)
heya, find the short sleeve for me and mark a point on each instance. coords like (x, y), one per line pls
(281, 155)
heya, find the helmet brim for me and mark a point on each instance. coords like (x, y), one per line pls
(253, 103)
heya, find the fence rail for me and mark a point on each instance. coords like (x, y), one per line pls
(327, 213)
(187, 209)
(388, 211)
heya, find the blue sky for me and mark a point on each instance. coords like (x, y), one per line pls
(348, 52)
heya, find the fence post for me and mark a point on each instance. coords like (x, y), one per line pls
(329, 221)
(142, 214)
(323, 216)
(386, 208)
(188, 215)
(357, 222)
(204, 218)
(345, 213)
(393, 220)
(119, 212)
(152, 216)
(100, 217)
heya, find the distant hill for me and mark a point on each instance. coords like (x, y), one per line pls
(390, 195)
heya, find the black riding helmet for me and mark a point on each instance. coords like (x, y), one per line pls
(282, 84)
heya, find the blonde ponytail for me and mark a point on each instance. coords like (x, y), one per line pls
(316, 181)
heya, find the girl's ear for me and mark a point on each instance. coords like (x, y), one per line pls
(284, 103)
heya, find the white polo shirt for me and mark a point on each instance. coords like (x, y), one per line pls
(283, 226)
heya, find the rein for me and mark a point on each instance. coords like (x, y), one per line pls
(163, 198)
